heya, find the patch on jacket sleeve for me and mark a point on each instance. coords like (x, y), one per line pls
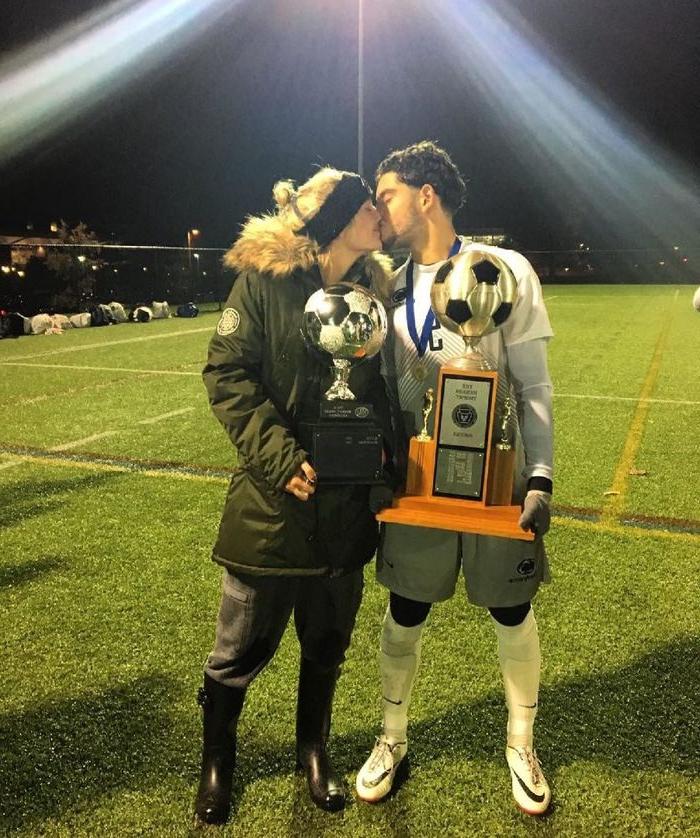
(229, 322)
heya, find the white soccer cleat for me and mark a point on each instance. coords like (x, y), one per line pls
(530, 788)
(376, 777)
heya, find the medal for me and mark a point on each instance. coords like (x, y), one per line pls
(420, 372)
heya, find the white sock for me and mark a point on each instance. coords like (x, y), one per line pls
(519, 656)
(399, 656)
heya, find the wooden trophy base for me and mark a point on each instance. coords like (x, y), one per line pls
(420, 508)
(442, 514)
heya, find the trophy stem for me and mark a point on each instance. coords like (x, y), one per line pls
(340, 388)
(472, 358)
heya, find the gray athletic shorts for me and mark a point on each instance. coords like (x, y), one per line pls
(423, 564)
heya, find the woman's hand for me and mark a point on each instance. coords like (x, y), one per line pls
(303, 484)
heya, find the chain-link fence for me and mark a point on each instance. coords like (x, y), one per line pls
(649, 266)
(70, 278)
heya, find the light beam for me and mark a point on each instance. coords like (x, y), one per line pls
(570, 139)
(55, 80)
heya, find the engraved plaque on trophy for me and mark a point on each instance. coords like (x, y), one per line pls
(345, 324)
(462, 436)
(462, 479)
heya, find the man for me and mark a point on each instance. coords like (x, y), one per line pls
(418, 191)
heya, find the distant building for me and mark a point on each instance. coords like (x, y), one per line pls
(494, 236)
(17, 249)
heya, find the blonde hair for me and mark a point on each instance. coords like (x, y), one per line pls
(297, 205)
(270, 242)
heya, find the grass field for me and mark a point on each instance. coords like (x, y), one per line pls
(112, 479)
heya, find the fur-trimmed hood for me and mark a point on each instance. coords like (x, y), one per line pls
(267, 245)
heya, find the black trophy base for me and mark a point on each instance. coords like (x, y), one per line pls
(346, 444)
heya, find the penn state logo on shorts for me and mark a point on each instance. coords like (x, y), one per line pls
(229, 322)
(399, 296)
(464, 415)
(526, 567)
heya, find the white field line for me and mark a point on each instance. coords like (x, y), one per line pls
(578, 301)
(96, 369)
(66, 446)
(576, 298)
(139, 339)
(34, 400)
(591, 396)
(154, 419)
(137, 371)
(562, 295)
(634, 399)
(10, 464)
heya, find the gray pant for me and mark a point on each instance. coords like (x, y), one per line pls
(254, 613)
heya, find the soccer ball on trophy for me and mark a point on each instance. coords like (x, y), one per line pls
(473, 294)
(346, 323)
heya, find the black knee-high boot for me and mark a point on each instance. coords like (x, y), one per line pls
(314, 702)
(221, 708)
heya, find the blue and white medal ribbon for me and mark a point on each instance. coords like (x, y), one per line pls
(421, 341)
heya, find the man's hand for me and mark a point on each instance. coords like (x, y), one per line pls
(536, 515)
(303, 484)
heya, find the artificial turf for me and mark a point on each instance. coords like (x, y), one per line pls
(108, 601)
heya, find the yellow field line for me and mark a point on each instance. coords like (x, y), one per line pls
(613, 528)
(614, 503)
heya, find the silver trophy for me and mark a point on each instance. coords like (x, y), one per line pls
(347, 323)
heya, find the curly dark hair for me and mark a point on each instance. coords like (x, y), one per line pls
(426, 162)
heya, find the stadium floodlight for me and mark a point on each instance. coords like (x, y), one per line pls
(191, 234)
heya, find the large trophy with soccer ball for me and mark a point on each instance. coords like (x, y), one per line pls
(462, 479)
(346, 324)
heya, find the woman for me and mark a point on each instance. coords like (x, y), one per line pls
(286, 544)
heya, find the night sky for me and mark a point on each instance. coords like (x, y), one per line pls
(271, 90)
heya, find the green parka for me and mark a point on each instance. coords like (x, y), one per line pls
(263, 384)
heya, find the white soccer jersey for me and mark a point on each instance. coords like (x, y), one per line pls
(414, 375)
